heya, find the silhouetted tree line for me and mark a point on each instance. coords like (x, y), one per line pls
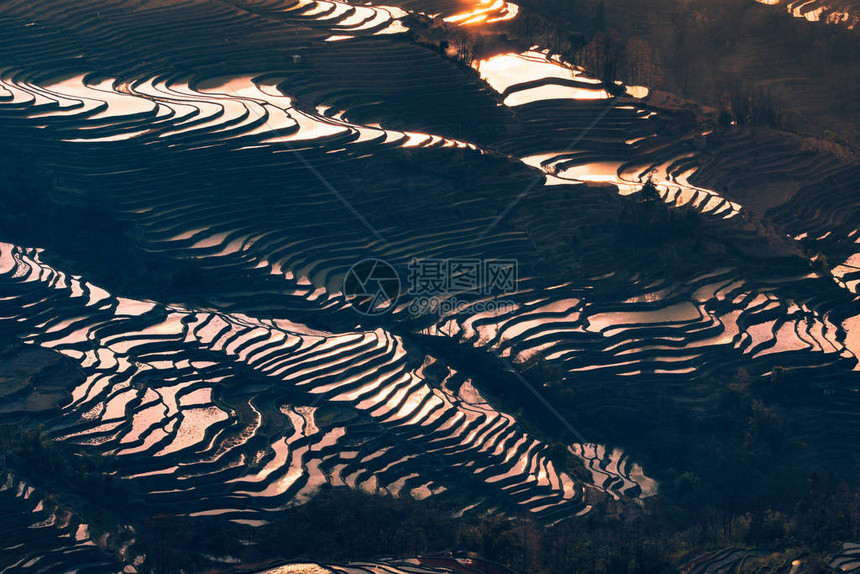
(72, 476)
(580, 34)
(692, 49)
(755, 106)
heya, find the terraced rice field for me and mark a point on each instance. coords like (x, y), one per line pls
(423, 565)
(271, 145)
(39, 536)
(843, 13)
(847, 559)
